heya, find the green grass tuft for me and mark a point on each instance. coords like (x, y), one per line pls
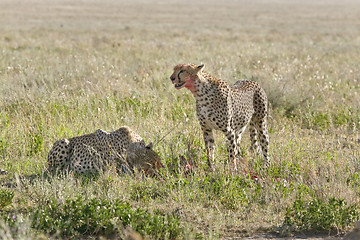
(319, 215)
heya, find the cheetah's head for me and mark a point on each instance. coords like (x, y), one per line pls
(185, 75)
(143, 158)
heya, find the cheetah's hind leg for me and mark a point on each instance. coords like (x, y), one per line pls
(254, 137)
(259, 135)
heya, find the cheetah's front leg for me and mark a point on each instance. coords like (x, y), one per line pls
(209, 145)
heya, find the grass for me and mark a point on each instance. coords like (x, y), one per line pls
(70, 68)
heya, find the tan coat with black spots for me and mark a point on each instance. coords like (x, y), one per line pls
(227, 108)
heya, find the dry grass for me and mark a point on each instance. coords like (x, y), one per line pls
(68, 68)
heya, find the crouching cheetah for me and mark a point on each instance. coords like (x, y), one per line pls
(96, 151)
(226, 108)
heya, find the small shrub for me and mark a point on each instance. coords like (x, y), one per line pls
(101, 217)
(6, 197)
(318, 215)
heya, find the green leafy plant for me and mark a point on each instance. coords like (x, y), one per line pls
(316, 214)
(101, 217)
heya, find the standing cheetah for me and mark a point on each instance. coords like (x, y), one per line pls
(99, 150)
(226, 108)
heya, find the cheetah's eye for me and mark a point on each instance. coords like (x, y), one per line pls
(181, 71)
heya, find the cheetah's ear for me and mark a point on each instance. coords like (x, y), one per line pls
(200, 68)
(150, 145)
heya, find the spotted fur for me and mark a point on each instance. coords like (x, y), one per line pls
(227, 108)
(97, 151)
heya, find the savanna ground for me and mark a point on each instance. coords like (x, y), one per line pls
(70, 67)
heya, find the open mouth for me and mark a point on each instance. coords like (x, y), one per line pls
(180, 85)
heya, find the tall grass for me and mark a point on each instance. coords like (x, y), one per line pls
(79, 67)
